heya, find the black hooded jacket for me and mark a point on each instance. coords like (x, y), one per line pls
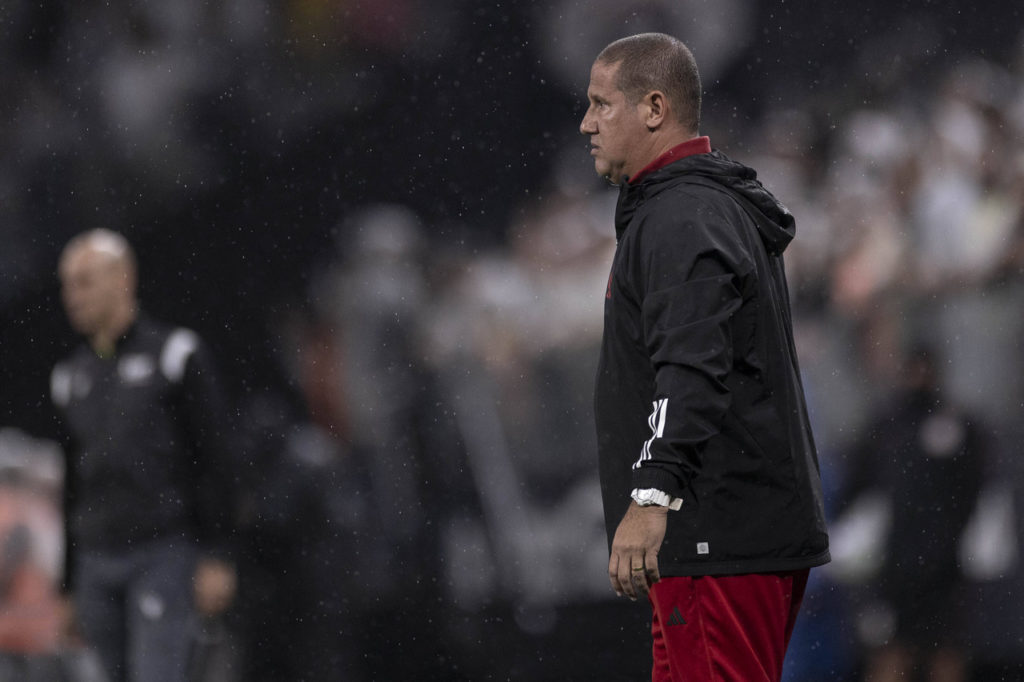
(698, 390)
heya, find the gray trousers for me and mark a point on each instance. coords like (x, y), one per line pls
(135, 608)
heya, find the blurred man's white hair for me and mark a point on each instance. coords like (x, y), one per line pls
(105, 241)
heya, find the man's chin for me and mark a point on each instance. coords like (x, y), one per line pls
(610, 177)
(603, 170)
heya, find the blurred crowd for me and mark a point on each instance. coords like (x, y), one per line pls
(380, 216)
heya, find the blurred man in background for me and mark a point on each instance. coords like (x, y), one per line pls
(146, 432)
(925, 455)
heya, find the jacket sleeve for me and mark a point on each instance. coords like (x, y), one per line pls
(212, 429)
(691, 283)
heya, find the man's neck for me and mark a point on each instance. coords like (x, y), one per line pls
(694, 145)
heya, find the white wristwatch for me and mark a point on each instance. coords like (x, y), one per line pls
(647, 497)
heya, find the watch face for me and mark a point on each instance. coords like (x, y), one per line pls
(649, 497)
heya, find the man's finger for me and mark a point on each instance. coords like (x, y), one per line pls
(631, 576)
(640, 582)
(651, 565)
(613, 574)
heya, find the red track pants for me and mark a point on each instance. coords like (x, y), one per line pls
(724, 628)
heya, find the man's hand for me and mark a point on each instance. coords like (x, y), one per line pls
(633, 567)
(215, 585)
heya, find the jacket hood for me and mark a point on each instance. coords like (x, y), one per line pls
(775, 223)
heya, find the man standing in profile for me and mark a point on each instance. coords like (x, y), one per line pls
(708, 468)
(146, 506)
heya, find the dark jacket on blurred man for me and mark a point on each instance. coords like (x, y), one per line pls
(143, 436)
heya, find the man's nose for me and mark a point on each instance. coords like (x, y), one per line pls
(586, 126)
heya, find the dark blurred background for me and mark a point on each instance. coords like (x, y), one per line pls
(251, 151)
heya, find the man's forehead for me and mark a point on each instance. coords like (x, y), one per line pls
(604, 69)
(602, 76)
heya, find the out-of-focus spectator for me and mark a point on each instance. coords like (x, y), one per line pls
(295, 548)
(397, 479)
(923, 458)
(148, 437)
(30, 553)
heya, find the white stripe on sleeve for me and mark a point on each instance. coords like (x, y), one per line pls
(177, 350)
(657, 423)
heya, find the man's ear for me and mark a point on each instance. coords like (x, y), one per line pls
(657, 109)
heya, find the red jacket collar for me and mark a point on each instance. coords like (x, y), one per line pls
(698, 145)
